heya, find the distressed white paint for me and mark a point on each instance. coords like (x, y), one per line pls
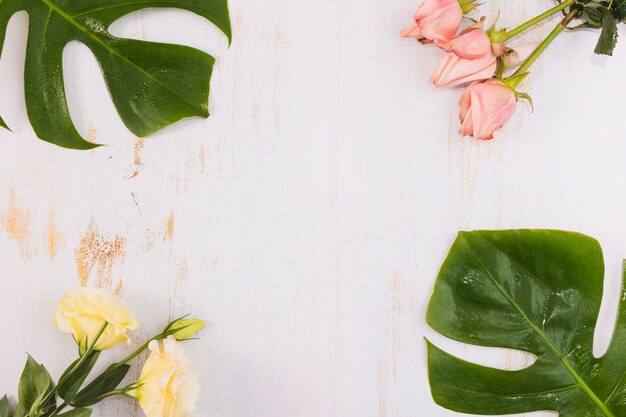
(311, 212)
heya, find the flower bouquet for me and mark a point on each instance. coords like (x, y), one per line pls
(98, 321)
(484, 60)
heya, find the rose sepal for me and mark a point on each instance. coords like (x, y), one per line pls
(468, 5)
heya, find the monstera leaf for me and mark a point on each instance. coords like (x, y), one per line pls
(151, 84)
(536, 291)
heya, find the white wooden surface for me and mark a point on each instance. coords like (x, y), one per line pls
(307, 218)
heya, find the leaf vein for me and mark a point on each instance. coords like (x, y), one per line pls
(579, 380)
(54, 7)
(117, 6)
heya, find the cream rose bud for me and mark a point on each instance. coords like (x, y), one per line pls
(83, 314)
(184, 329)
(169, 385)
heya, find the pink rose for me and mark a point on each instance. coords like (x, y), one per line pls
(455, 71)
(472, 43)
(435, 21)
(470, 57)
(485, 107)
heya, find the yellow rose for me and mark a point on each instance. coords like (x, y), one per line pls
(169, 385)
(83, 313)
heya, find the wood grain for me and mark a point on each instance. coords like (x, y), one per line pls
(307, 218)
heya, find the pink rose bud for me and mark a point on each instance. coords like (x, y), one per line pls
(411, 31)
(455, 71)
(472, 43)
(485, 107)
(519, 54)
(435, 21)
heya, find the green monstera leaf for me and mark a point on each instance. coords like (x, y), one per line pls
(537, 291)
(152, 85)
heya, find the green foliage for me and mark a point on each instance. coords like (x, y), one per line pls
(70, 386)
(608, 36)
(620, 8)
(33, 390)
(100, 386)
(605, 16)
(152, 85)
(5, 407)
(595, 14)
(77, 412)
(537, 291)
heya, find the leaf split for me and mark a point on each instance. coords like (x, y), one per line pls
(537, 291)
(152, 85)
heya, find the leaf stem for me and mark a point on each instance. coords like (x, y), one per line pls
(137, 352)
(128, 358)
(580, 382)
(164, 334)
(58, 409)
(106, 395)
(78, 364)
(546, 42)
(532, 22)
